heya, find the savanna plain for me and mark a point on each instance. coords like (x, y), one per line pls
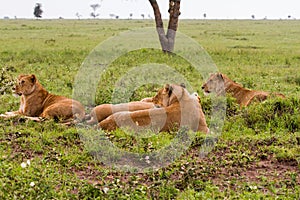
(257, 156)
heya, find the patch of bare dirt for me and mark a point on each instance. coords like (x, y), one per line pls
(216, 167)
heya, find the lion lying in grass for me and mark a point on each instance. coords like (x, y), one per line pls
(102, 111)
(220, 83)
(175, 108)
(37, 102)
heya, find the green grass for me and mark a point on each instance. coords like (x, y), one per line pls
(256, 157)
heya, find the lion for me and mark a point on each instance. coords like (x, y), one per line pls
(174, 108)
(221, 84)
(37, 102)
(102, 111)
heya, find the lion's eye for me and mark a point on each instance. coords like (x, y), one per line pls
(22, 82)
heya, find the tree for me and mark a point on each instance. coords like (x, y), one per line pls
(253, 16)
(78, 15)
(37, 10)
(130, 15)
(95, 7)
(204, 15)
(167, 40)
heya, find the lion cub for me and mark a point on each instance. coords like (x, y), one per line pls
(36, 101)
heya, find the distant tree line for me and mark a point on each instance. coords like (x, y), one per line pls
(38, 12)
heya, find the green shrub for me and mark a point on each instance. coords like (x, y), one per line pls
(6, 80)
(273, 114)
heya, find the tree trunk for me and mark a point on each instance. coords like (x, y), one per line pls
(167, 41)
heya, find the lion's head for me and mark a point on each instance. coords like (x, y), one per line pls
(168, 95)
(214, 84)
(25, 85)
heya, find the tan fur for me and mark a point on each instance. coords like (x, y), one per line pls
(147, 99)
(176, 108)
(220, 83)
(101, 112)
(37, 102)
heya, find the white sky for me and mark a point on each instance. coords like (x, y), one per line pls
(191, 9)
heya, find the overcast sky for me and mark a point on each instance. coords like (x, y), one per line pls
(191, 9)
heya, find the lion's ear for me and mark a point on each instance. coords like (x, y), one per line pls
(219, 75)
(33, 78)
(168, 89)
(182, 85)
(167, 86)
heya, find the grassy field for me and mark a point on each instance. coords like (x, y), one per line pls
(256, 157)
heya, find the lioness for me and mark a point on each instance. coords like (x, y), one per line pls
(102, 111)
(175, 107)
(220, 83)
(37, 102)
